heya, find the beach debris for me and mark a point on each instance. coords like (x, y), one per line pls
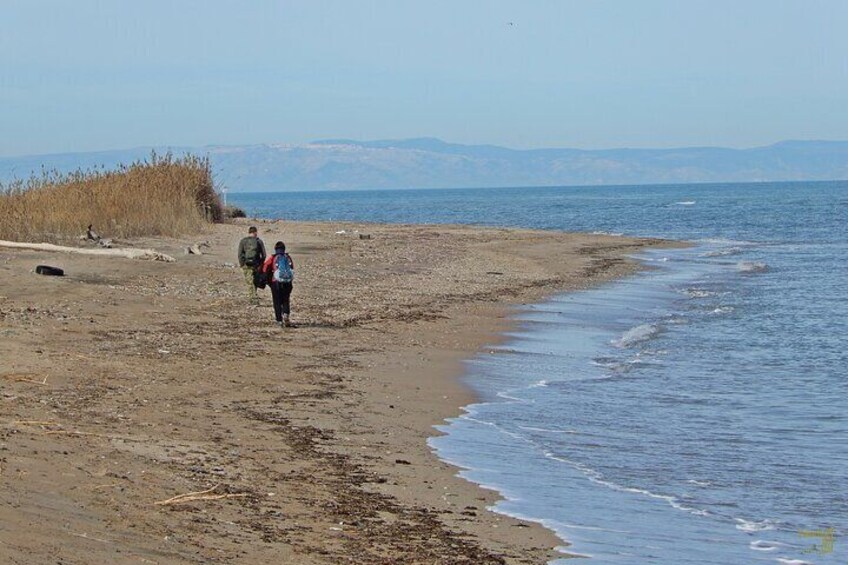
(148, 254)
(208, 494)
(341, 232)
(197, 248)
(402, 462)
(49, 271)
(365, 236)
(25, 378)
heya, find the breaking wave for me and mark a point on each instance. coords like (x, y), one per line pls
(638, 334)
(752, 267)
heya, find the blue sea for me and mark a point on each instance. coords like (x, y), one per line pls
(696, 413)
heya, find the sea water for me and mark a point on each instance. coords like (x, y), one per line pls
(693, 413)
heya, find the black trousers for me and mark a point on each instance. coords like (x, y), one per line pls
(280, 293)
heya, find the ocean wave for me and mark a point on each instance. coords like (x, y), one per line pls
(723, 252)
(548, 430)
(696, 511)
(723, 310)
(724, 241)
(698, 293)
(507, 396)
(619, 366)
(786, 561)
(646, 259)
(598, 478)
(699, 483)
(752, 267)
(638, 334)
(616, 234)
(752, 526)
(685, 203)
(761, 545)
(611, 363)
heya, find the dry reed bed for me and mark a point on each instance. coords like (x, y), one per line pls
(162, 195)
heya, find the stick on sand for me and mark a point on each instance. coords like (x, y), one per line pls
(199, 495)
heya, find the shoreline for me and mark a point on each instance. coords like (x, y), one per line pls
(387, 322)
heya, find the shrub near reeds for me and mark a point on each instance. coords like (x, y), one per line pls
(162, 195)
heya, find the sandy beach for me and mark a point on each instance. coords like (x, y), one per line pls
(127, 383)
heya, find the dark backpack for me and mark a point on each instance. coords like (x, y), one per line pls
(260, 279)
(252, 251)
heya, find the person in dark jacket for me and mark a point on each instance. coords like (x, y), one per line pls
(279, 270)
(251, 256)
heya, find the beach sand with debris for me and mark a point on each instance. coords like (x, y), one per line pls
(149, 415)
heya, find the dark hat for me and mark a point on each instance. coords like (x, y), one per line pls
(279, 246)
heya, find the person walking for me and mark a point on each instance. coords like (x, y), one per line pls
(251, 255)
(279, 270)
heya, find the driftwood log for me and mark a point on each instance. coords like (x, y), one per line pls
(148, 254)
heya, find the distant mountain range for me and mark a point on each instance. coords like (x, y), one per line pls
(431, 163)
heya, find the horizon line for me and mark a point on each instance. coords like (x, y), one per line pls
(354, 142)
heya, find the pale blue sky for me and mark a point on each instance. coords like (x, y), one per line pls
(85, 75)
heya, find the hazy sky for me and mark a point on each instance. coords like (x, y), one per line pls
(85, 75)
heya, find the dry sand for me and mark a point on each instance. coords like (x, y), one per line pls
(127, 383)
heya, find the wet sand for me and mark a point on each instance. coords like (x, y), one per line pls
(127, 383)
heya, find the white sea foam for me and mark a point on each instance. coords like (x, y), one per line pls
(597, 478)
(723, 241)
(593, 528)
(723, 252)
(685, 203)
(723, 310)
(786, 561)
(507, 396)
(606, 362)
(696, 511)
(636, 335)
(753, 526)
(616, 234)
(760, 545)
(548, 430)
(752, 267)
(698, 293)
(618, 365)
(699, 483)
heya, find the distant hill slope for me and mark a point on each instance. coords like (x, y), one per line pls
(432, 163)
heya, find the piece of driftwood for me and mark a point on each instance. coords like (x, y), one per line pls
(25, 378)
(199, 495)
(148, 254)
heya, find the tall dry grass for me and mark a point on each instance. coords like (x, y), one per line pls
(162, 195)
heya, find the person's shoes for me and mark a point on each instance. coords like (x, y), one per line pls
(280, 323)
(287, 321)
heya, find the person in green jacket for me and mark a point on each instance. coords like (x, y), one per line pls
(251, 255)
